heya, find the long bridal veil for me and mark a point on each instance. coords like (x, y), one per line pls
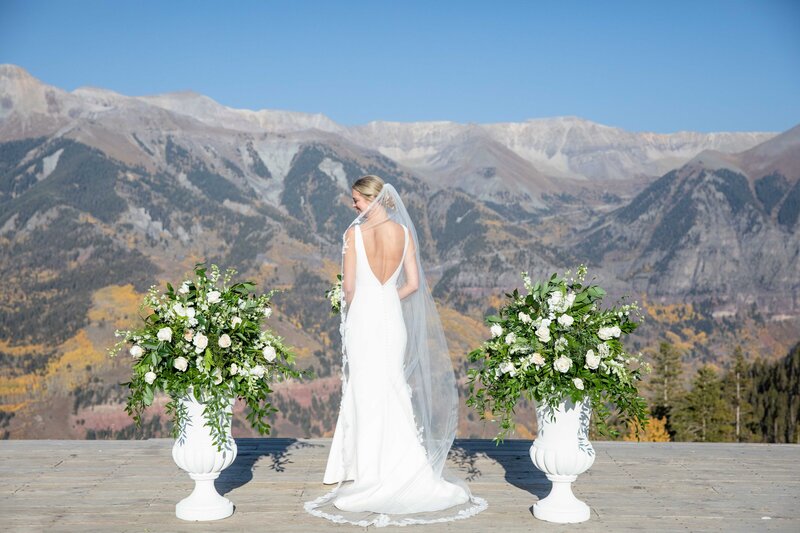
(430, 381)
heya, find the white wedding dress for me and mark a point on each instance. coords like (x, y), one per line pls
(379, 457)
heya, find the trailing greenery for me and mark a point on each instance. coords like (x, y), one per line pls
(556, 343)
(206, 339)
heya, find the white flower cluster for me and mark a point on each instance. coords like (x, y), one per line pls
(607, 333)
(559, 302)
(194, 317)
(496, 330)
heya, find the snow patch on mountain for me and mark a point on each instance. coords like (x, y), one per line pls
(277, 154)
(335, 170)
(49, 163)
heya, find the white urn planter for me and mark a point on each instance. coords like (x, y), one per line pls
(562, 451)
(195, 452)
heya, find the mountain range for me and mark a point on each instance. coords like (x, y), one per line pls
(102, 195)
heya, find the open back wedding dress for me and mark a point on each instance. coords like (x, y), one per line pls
(399, 408)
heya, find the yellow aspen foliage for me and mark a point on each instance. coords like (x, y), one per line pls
(523, 432)
(655, 431)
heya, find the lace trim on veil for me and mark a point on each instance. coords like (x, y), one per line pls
(383, 520)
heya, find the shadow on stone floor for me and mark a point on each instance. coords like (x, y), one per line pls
(279, 452)
(516, 463)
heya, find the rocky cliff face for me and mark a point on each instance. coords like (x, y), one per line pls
(713, 229)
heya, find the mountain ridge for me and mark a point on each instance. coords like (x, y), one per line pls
(102, 195)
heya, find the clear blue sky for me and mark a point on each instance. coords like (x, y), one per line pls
(640, 65)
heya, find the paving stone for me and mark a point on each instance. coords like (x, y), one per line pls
(134, 485)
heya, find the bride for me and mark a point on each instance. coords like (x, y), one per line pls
(399, 409)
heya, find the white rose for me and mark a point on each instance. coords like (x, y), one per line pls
(184, 288)
(545, 323)
(592, 360)
(150, 377)
(188, 334)
(267, 312)
(554, 300)
(269, 353)
(578, 383)
(568, 301)
(224, 341)
(213, 297)
(164, 334)
(190, 312)
(562, 364)
(179, 309)
(608, 333)
(235, 321)
(508, 368)
(524, 318)
(234, 369)
(217, 376)
(543, 334)
(200, 342)
(257, 371)
(603, 350)
(566, 320)
(181, 363)
(496, 330)
(136, 351)
(537, 359)
(511, 338)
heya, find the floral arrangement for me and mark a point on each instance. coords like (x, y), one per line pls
(555, 342)
(206, 339)
(334, 294)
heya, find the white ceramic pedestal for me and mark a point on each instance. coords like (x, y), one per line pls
(196, 453)
(562, 451)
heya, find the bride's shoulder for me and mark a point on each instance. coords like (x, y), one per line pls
(398, 227)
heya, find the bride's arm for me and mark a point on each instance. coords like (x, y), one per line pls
(349, 274)
(411, 272)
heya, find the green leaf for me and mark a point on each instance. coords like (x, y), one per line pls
(148, 395)
(208, 360)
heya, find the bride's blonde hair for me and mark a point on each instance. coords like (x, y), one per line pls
(368, 186)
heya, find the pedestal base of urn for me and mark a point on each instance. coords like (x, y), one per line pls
(204, 503)
(561, 506)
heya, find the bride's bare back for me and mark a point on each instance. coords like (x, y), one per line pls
(384, 245)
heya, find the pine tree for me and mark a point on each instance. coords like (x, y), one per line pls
(738, 385)
(775, 396)
(665, 382)
(703, 415)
